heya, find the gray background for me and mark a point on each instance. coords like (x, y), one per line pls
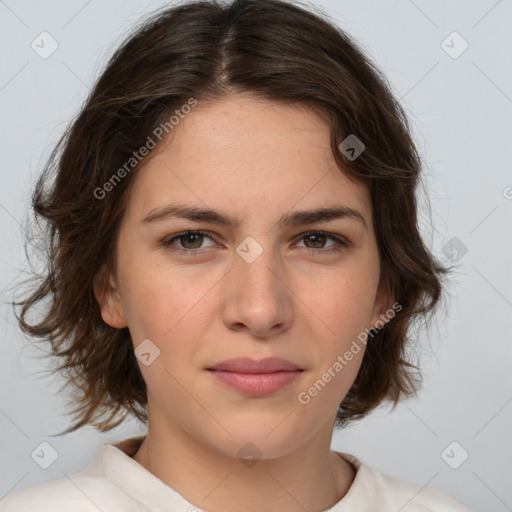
(461, 112)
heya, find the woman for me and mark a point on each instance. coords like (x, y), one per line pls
(235, 260)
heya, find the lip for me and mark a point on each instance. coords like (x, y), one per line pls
(256, 378)
(248, 365)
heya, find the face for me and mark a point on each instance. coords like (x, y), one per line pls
(254, 288)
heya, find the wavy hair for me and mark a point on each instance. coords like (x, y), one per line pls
(207, 50)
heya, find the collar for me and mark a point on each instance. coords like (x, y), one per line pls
(114, 462)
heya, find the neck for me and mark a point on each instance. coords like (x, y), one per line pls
(309, 478)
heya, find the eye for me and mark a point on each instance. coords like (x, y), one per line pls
(192, 242)
(319, 238)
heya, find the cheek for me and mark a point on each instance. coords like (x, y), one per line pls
(340, 313)
(343, 306)
(172, 315)
(173, 311)
(158, 302)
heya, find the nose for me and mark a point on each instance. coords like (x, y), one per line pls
(258, 298)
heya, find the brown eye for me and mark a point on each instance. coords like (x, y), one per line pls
(316, 242)
(194, 239)
(190, 242)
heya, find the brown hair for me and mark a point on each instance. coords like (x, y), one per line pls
(206, 50)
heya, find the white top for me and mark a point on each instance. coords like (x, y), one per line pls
(114, 482)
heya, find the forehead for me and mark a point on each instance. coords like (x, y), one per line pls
(243, 154)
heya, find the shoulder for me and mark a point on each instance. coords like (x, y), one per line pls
(411, 497)
(374, 488)
(79, 492)
(105, 484)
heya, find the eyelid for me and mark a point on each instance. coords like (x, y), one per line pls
(340, 241)
(167, 241)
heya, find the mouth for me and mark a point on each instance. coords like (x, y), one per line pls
(247, 365)
(256, 378)
(256, 384)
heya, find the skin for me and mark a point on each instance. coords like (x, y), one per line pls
(255, 160)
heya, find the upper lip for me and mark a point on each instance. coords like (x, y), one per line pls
(247, 365)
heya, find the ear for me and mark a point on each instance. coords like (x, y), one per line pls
(108, 299)
(384, 308)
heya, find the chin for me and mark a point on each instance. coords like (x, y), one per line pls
(257, 437)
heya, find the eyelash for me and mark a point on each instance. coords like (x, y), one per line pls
(342, 244)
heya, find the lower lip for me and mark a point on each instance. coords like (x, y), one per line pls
(256, 384)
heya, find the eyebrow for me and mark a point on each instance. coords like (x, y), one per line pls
(296, 218)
